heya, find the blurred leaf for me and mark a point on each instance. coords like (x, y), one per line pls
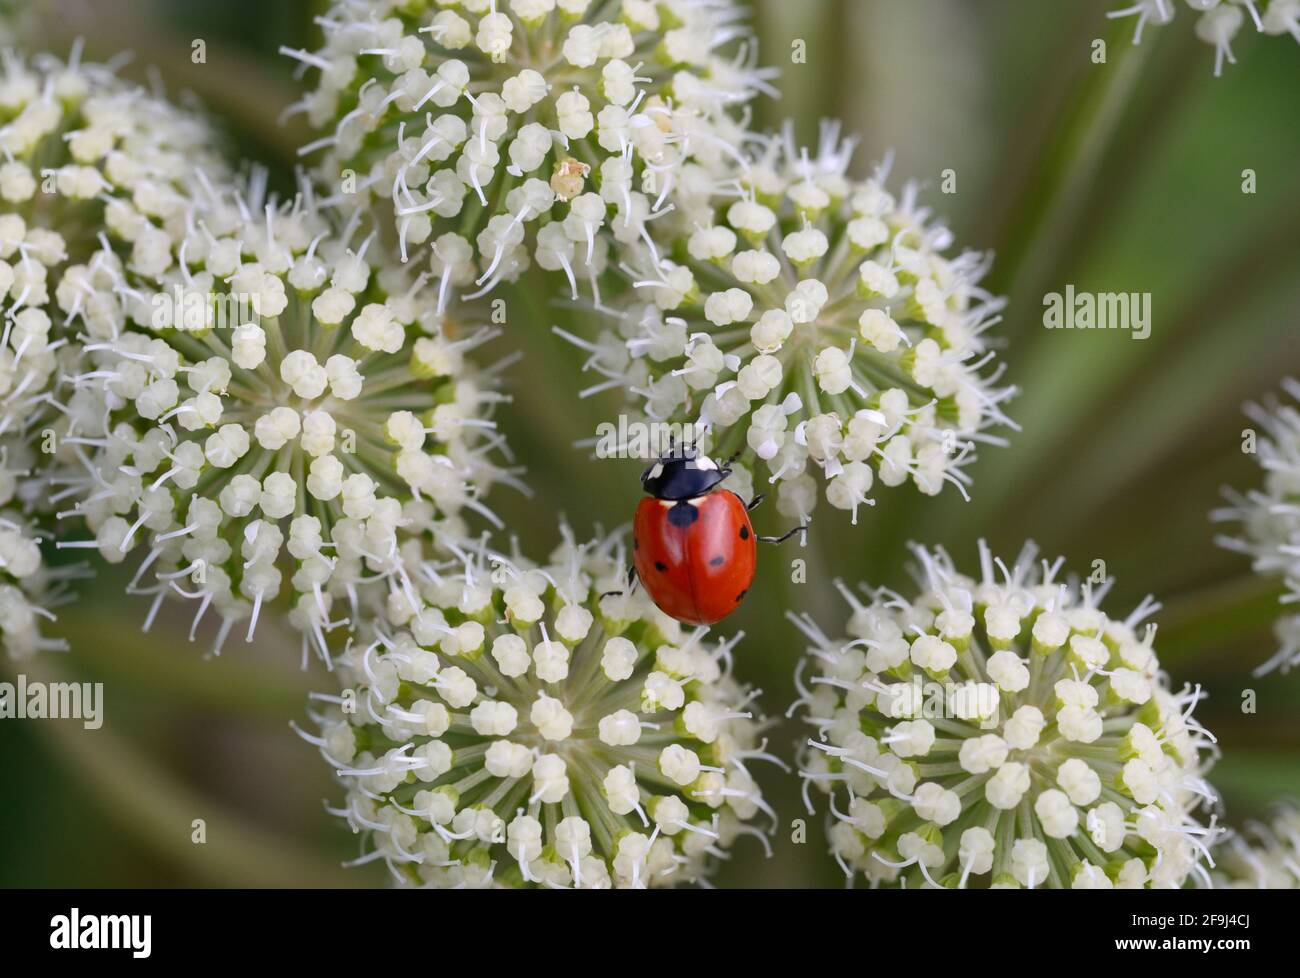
(1254, 780)
(150, 804)
(107, 640)
(1216, 618)
(244, 93)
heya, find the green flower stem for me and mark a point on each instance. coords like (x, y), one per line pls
(1056, 196)
(1044, 220)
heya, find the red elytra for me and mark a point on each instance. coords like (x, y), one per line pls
(696, 557)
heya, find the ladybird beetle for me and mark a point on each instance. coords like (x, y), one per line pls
(693, 546)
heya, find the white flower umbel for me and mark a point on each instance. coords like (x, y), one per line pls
(506, 131)
(1002, 730)
(88, 163)
(31, 257)
(274, 413)
(519, 730)
(1218, 22)
(29, 588)
(1270, 515)
(33, 362)
(817, 322)
(1266, 856)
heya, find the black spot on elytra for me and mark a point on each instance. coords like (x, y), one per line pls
(744, 535)
(741, 596)
(660, 566)
(682, 515)
(717, 561)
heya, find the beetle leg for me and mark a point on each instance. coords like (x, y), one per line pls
(753, 503)
(631, 584)
(783, 537)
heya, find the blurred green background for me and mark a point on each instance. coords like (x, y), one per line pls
(1117, 177)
